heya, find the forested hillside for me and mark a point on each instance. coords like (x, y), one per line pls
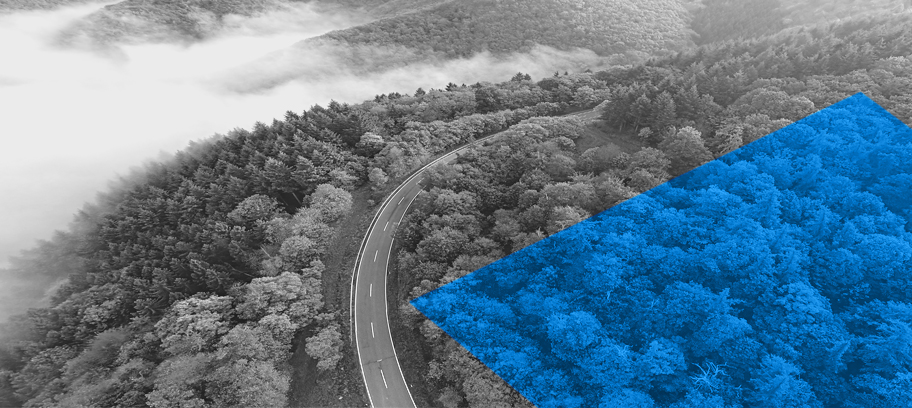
(18, 5)
(463, 28)
(381, 8)
(163, 20)
(576, 35)
(632, 29)
(812, 12)
(685, 111)
(449, 28)
(720, 20)
(196, 279)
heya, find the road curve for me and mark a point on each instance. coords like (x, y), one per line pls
(383, 378)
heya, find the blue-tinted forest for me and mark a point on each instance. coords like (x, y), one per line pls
(775, 276)
(683, 112)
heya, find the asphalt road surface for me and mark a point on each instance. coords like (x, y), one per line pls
(380, 368)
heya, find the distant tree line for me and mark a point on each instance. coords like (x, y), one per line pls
(464, 28)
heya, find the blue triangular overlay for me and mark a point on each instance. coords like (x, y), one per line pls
(640, 301)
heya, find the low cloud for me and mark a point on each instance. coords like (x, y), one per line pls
(382, 69)
(72, 118)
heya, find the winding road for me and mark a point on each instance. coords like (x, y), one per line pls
(383, 378)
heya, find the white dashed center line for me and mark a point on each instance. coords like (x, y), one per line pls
(372, 330)
(384, 378)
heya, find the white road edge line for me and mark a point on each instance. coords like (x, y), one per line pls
(407, 207)
(388, 255)
(384, 379)
(386, 306)
(355, 321)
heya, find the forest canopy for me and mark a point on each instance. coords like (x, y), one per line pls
(463, 28)
(776, 275)
(682, 111)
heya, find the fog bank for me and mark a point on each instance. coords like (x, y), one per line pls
(72, 119)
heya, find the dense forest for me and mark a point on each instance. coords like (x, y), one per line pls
(162, 20)
(379, 8)
(629, 30)
(464, 28)
(448, 28)
(575, 35)
(198, 280)
(194, 279)
(684, 111)
(720, 20)
(16, 5)
(775, 276)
